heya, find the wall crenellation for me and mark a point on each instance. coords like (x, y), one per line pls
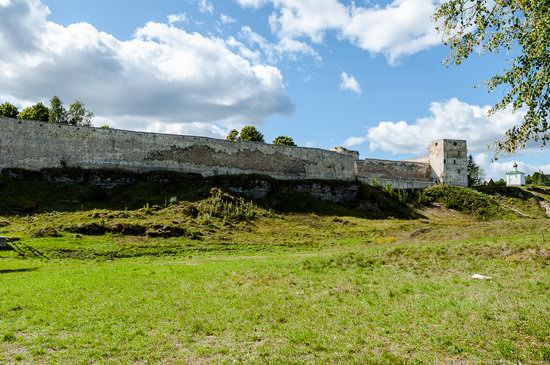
(34, 146)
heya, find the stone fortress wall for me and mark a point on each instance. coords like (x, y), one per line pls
(34, 145)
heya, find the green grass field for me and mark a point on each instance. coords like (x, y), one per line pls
(269, 288)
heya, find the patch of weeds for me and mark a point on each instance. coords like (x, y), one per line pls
(387, 358)
(506, 349)
(342, 262)
(226, 207)
(147, 209)
(544, 354)
(9, 337)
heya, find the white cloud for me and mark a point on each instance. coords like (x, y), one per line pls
(206, 6)
(251, 3)
(402, 28)
(226, 19)
(397, 29)
(191, 129)
(296, 18)
(355, 141)
(348, 82)
(273, 52)
(450, 119)
(177, 18)
(162, 75)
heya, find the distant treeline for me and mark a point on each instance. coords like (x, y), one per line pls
(76, 114)
(251, 134)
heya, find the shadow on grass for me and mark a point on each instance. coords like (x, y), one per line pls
(11, 271)
(74, 189)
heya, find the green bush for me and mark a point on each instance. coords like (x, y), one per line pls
(251, 134)
(284, 141)
(38, 112)
(8, 110)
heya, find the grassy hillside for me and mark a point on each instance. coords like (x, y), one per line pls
(135, 275)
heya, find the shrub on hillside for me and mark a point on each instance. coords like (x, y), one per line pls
(465, 200)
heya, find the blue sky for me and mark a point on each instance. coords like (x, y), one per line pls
(366, 75)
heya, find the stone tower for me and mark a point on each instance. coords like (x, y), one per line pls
(449, 161)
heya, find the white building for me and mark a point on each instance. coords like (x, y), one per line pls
(515, 177)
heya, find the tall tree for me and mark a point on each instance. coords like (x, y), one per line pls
(521, 27)
(8, 110)
(38, 112)
(475, 173)
(79, 115)
(58, 114)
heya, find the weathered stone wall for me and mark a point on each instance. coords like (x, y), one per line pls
(399, 174)
(34, 146)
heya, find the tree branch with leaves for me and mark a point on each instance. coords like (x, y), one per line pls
(516, 26)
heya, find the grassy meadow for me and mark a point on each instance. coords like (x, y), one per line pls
(220, 280)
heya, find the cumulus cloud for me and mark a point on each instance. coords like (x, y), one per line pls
(348, 82)
(164, 75)
(397, 29)
(450, 119)
(402, 28)
(296, 18)
(454, 119)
